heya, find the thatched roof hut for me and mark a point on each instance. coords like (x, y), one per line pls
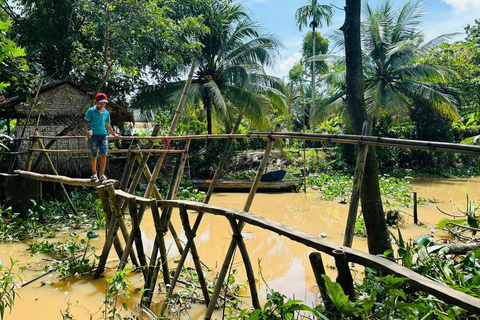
(59, 109)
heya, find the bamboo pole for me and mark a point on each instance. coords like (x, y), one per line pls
(356, 189)
(173, 125)
(31, 109)
(102, 193)
(319, 270)
(54, 171)
(190, 245)
(142, 164)
(57, 151)
(149, 286)
(111, 234)
(190, 234)
(114, 226)
(379, 263)
(127, 172)
(223, 161)
(53, 140)
(237, 235)
(31, 155)
(344, 277)
(233, 243)
(148, 175)
(337, 138)
(165, 222)
(137, 234)
(131, 238)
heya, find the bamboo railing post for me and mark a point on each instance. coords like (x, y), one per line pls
(233, 243)
(190, 234)
(344, 277)
(222, 162)
(127, 172)
(32, 154)
(319, 270)
(102, 193)
(148, 175)
(138, 173)
(54, 171)
(415, 212)
(237, 236)
(356, 189)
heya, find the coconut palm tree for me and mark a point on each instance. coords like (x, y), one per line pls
(230, 78)
(395, 76)
(315, 13)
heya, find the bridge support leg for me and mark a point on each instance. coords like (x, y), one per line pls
(101, 190)
(189, 246)
(237, 235)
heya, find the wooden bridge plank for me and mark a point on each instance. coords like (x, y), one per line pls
(65, 179)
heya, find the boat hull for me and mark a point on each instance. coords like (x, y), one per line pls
(245, 185)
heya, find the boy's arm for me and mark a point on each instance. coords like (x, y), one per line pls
(86, 123)
(110, 129)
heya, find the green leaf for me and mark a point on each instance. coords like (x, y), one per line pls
(92, 235)
(443, 223)
(424, 240)
(339, 299)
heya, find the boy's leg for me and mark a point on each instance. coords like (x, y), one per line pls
(93, 162)
(103, 150)
(103, 164)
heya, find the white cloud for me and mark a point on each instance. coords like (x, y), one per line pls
(463, 5)
(285, 65)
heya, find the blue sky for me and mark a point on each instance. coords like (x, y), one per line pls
(278, 17)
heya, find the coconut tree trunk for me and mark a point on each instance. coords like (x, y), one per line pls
(207, 104)
(313, 75)
(377, 232)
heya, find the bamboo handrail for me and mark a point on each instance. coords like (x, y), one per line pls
(109, 151)
(382, 264)
(337, 138)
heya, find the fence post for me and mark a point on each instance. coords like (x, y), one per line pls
(318, 270)
(344, 277)
(357, 184)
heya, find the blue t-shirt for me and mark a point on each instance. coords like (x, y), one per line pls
(97, 120)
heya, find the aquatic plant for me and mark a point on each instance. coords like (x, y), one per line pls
(277, 308)
(8, 287)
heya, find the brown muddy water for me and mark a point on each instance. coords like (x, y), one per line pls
(279, 264)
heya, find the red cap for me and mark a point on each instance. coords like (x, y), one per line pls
(101, 97)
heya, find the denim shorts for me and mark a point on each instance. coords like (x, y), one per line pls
(98, 145)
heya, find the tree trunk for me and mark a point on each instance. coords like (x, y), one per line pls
(377, 232)
(207, 104)
(313, 78)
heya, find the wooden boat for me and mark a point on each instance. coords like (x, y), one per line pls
(245, 185)
(273, 175)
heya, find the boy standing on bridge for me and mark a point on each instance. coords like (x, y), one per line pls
(96, 124)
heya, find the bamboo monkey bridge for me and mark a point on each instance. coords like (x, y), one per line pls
(116, 201)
